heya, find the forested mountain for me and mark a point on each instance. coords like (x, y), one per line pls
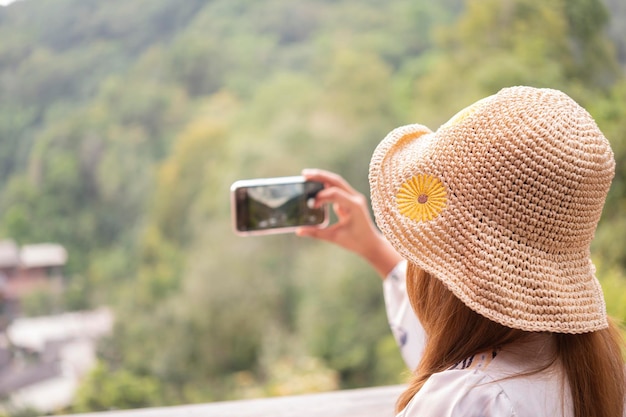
(123, 124)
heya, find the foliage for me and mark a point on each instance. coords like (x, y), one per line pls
(123, 124)
(106, 390)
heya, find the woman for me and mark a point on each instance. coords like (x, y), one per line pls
(494, 212)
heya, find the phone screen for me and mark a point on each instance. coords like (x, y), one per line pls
(277, 206)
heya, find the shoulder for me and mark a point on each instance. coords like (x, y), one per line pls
(490, 385)
(460, 392)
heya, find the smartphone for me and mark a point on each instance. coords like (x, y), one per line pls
(275, 205)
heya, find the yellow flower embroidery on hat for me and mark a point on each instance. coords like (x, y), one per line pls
(421, 198)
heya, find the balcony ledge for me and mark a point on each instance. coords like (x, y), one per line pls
(362, 402)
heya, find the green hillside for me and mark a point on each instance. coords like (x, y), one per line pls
(123, 124)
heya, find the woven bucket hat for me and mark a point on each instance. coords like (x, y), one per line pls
(501, 204)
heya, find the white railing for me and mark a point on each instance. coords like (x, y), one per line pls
(363, 402)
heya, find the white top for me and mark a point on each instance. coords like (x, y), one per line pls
(484, 385)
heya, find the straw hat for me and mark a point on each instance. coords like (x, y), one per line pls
(501, 204)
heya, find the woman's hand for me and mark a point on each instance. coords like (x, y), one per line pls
(354, 229)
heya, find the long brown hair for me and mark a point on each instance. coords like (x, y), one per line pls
(592, 362)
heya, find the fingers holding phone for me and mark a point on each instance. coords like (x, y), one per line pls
(353, 224)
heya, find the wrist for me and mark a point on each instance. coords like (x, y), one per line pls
(382, 256)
